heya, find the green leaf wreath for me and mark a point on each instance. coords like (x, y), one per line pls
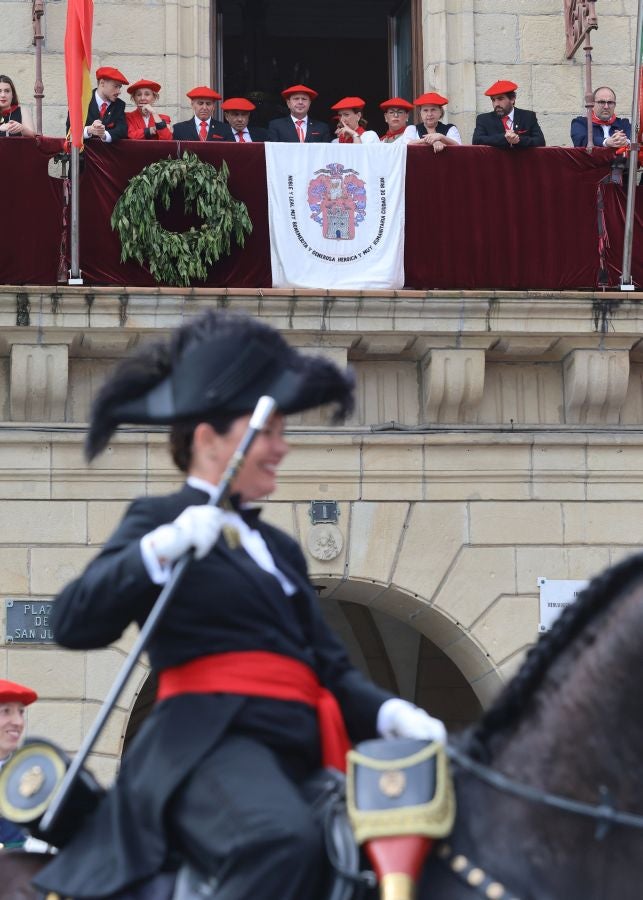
(179, 257)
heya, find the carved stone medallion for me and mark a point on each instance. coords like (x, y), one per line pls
(325, 541)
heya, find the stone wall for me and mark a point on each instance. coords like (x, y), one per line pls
(164, 39)
(497, 439)
(469, 44)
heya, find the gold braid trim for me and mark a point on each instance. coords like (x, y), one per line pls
(433, 819)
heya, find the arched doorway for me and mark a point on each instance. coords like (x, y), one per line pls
(404, 661)
(368, 48)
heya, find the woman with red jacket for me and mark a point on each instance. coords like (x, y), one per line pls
(144, 123)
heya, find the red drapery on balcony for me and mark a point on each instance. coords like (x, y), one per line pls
(476, 217)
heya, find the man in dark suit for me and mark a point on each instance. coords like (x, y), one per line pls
(202, 126)
(105, 118)
(607, 129)
(13, 700)
(236, 112)
(298, 127)
(507, 127)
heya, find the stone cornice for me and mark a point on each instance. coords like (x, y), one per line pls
(401, 324)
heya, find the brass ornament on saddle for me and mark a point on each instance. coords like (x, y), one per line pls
(30, 779)
(399, 789)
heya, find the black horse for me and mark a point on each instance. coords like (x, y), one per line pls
(569, 725)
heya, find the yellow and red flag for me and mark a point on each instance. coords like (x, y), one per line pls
(78, 61)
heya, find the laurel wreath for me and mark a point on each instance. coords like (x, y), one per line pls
(177, 258)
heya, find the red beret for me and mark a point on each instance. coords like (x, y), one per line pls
(430, 99)
(396, 103)
(10, 692)
(109, 72)
(203, 93)
(299, 89)
(350, 103)
(501, 87)
(237, 103)
(144, 83)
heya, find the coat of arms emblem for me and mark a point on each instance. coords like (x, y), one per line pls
(337, 201)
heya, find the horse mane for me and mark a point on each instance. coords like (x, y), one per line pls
(515, 697)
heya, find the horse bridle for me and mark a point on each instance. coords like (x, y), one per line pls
(603, 813)
(474, 876)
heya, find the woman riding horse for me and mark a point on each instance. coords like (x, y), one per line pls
(254, 689)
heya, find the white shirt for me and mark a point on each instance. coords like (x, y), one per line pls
(246, 136)
(251, 541)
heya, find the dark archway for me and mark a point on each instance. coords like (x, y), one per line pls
(402, 660)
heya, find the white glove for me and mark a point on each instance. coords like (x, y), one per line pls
(197, 526)
(399, 718)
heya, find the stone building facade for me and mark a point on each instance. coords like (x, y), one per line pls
(464, 46)
(497, 439)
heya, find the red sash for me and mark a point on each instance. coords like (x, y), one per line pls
(257, 673)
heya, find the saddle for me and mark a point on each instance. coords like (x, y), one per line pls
(397, 796)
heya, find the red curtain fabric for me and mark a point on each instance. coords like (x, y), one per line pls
(32, 212)
(482, 218)
(476, 217)
(105, 177)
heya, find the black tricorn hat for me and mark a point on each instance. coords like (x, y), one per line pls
(218, 364)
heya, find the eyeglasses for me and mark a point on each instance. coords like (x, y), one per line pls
(605, 102)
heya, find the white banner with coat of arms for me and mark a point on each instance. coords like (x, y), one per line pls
(336, 215)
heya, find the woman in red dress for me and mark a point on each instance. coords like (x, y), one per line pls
(145, 123)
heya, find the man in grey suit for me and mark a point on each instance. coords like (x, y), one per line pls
(298, 127)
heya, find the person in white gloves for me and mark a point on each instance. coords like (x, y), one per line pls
(255, 692)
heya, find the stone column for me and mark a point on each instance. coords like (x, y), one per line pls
(187, 51)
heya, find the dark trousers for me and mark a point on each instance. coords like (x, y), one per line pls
(241, 818)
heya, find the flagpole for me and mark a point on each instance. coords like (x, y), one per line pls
(628, 237)
(74, 274)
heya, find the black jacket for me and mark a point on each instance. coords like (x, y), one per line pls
(226, 602)
(284, 130)
(490, 130)
(187, 131)
(579, 131)
(15, 116)
(113, 120)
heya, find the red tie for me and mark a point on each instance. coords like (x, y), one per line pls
(240, 138)
(300, 130)
(103, 110)
(506, 122)
(203, 131)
